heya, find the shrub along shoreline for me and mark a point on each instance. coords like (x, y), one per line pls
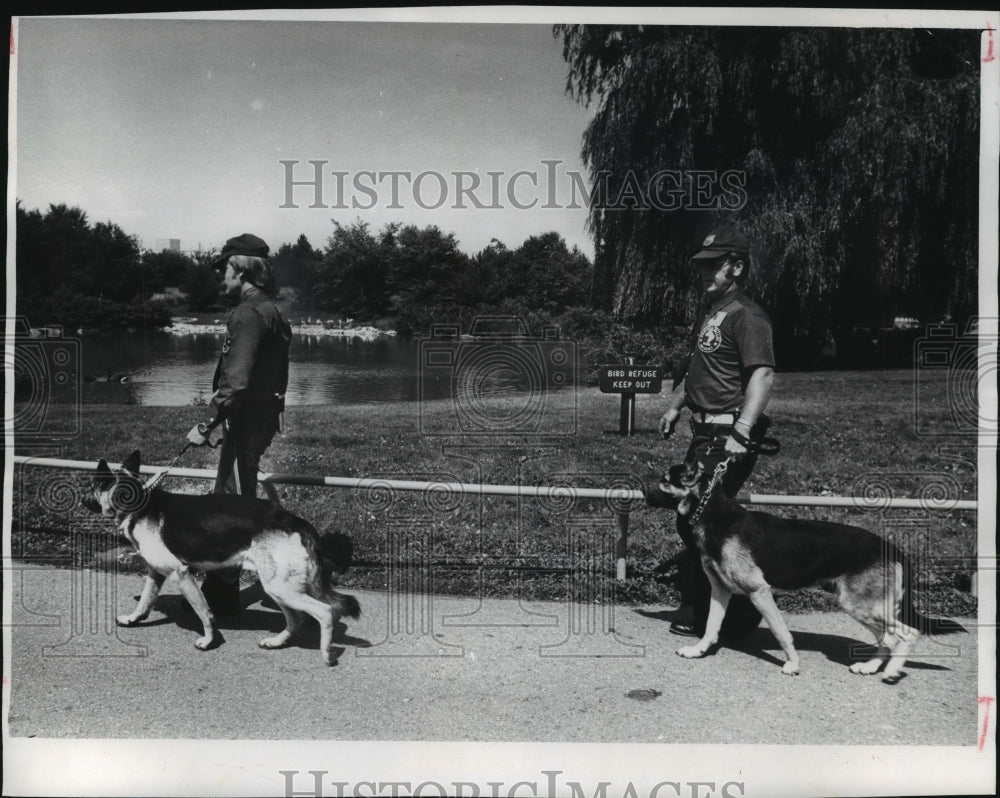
(842, 433)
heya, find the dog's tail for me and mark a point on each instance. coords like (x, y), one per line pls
(347, 605)
(336, 552)
(911, 616)
(271, 492)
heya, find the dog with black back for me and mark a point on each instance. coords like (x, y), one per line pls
(750, 553)
(181, 535)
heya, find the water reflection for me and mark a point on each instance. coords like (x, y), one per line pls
(166, 369)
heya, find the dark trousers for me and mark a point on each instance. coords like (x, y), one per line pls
(696, 591)
(244, 441)
(245, 438)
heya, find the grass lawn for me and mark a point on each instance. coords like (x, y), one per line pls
(842, 433)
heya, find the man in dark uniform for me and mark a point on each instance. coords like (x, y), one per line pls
(727, 382)
(249, 387)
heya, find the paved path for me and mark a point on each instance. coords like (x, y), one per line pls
(430, 668)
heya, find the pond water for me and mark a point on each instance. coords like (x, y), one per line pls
(177, 369)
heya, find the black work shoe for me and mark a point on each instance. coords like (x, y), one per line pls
(225, 609)
(223, 601)
(684, 629)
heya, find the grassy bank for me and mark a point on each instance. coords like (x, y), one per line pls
(842, 433)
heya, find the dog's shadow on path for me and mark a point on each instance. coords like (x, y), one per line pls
(268, 618)
(761, 642)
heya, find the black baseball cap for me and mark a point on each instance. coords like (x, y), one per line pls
(245, 244)
(721, 242)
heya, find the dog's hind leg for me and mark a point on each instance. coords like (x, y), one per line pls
(906, 638)
(716, 612)
(873, 665)
(150, 590)
(293, 620)
(192, 592)
(324, 614)
(763, 600)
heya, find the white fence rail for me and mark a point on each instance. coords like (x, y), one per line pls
(616, 497)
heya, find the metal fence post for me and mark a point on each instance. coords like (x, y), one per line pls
(621, 547)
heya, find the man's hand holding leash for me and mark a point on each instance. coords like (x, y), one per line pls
(198, 435)
(737, 442)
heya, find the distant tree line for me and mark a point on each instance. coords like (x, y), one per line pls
(417, 276)
(95, 276)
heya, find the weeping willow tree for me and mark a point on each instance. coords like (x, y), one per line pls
(854, 154)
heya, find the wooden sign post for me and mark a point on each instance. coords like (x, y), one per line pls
(629, 380)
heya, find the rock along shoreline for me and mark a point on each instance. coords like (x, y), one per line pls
(319, 330)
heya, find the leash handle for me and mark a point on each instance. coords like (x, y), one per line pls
(204, 430)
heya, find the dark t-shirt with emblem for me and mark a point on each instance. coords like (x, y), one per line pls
(733, 339)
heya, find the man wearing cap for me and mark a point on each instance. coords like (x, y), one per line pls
(249, 387)
(727, 379)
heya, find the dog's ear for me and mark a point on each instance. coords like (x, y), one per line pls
(690, 474)
(131, 463)
(103, 476)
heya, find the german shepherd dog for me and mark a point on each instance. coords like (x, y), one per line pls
(749, 553)
(178, 534)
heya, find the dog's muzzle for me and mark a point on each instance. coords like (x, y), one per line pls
(659, 496)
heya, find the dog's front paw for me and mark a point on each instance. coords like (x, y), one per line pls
(866, 668)
(204, 643)
(790, 669)
(128, 620)
(691, 652)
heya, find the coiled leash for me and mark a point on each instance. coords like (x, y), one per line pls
(765, 445)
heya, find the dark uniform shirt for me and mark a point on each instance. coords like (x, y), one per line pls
(734, 338)
(253, 367)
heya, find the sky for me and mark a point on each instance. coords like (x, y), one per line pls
(177, 128)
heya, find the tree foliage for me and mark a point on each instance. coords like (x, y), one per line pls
(417, 276)
(859, 154)
(295, 267)
(95, 276)
(76, 274)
